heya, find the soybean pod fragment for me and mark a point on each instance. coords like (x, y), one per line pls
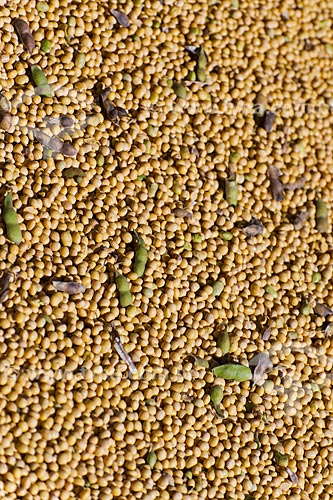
(231, 190)
(24, 34)
(321, 216)
(10, 219)
(141, 256)
(125, 296)
(42, 86)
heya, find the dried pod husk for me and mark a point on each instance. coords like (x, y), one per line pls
(70, 287)
(261, 363)
(24, 34)
(322, 310)
(253, 228)
(4, 103)
(276, 184)
(268, 120)
(301, 219)
(292, 186)
(120, 17)
(5, 280)
(54, 143)
(183, 213)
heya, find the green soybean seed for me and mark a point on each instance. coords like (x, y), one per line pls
(216, 395)
(125, 296)
(234, 157)
(271, 291)
(10, 219)
(226, 235)
(316, 277)
(196, 238)
(45, 45)
(151, 458)
(321, 216)
(305, 309)
(152, 189)
(188, 474)
(239, 373)
(218, 287)
(131, 311)
(187, 246)
(42, 87)
(231, 190)
(147, 145)
(281, 459)
(223, 342)
(147, 292)
(180, 90)
(198, 486)
(152, 131)
(141, 256)
(234, 4)
(42, 7)
(100, 160)
(80, 60)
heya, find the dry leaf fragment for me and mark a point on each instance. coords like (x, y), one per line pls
(262, 363)
(69, 287)
(121, 17)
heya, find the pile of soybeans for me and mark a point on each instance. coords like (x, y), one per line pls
(166, 250)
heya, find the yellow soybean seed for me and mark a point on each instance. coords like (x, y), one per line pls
(125, 296)
(80, 60)
(11, 222)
